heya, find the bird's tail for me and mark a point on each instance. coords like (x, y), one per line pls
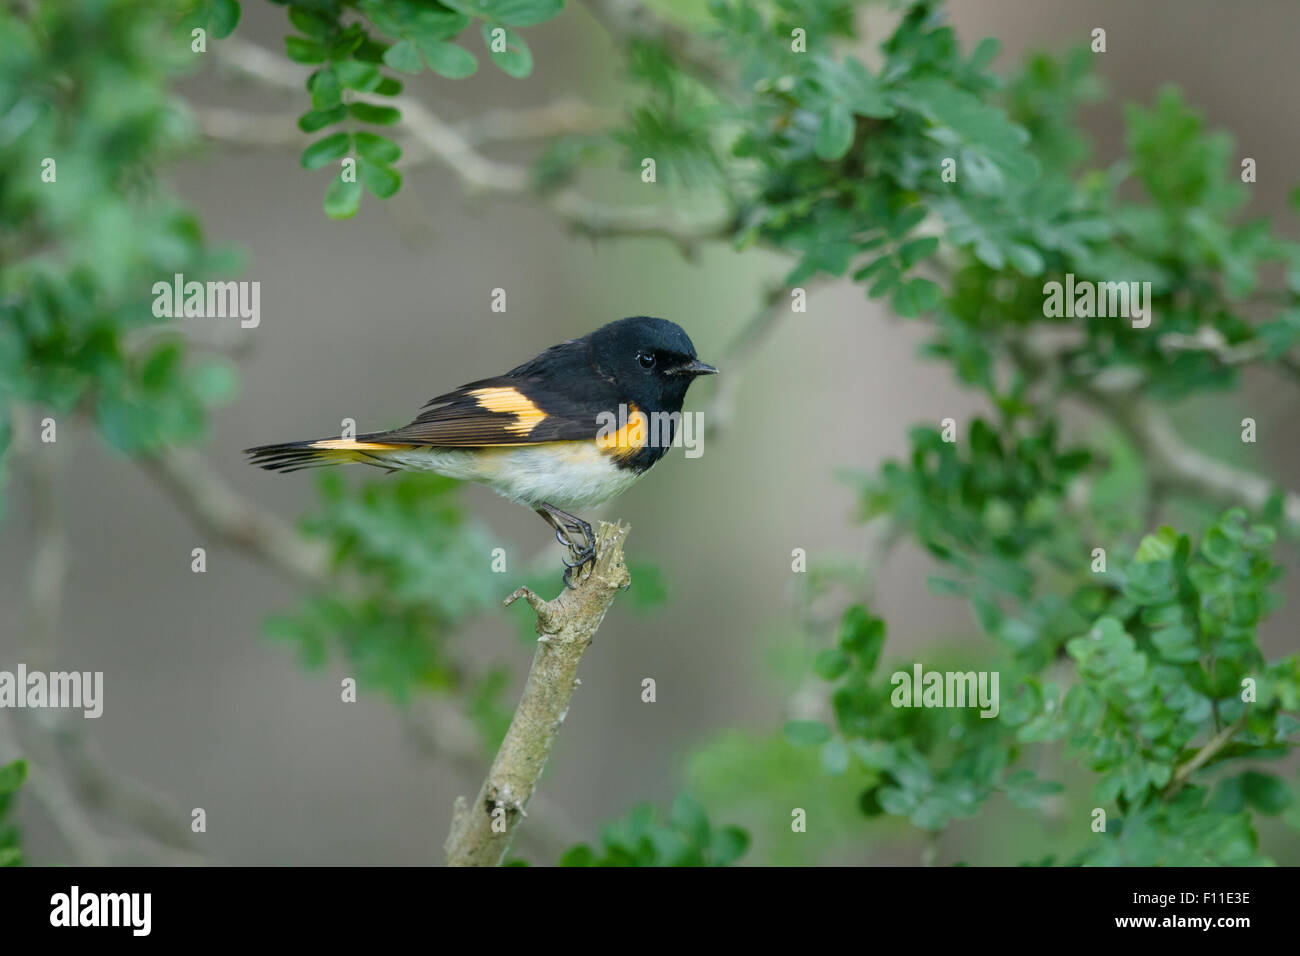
(296, 455)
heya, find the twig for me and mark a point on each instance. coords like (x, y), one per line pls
(100, 787)
(481, 833)
(1182, 467)
(210, 502)
(561, 117)
(721, 411)
(480, 175)
(1203, 756)
(47, 572)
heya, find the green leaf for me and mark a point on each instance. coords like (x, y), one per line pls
(326, 93)
(342, 199)
(311, 24)
(862, 634)
(355, 75)
(325, 151)
(1025, 259)
(806, 733)
(914, 297)
(225, 17)
(301, 50)
(831, 663)
(729, 845)
(447, 59)
(835, 756)
(12, 776)
(1176, 643)
(688, 816)
(513, 13)
(379, 115)
(961, 119)
(348, 45)
(315, 120)
(516, 59)
(404, 57)
(382, 181)
(524, 13)
(1265, 792)
(913, 251)
(835, 135)
(162, 366)
(580, 855)
(376, 148)
(1157, 547)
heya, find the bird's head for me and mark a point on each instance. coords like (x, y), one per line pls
(651, 361)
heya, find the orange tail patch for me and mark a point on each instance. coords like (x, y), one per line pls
(293, 456)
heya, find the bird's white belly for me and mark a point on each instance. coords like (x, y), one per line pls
(568, 475)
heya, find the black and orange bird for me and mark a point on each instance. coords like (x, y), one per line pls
(543, 433)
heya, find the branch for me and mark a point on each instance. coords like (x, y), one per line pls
(47, 572)
(481, 175)
(1182, 467)
(721, 410)
(558, 118)
(100, 787)
(1203, 756)
(442, 732)
(222, 513)
(480, 835)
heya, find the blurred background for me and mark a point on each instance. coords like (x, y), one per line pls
(369, 318)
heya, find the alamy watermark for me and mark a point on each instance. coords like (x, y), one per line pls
(77, 690)
(1083, 299)
(632, 428)
(179, 299)
(923, 688)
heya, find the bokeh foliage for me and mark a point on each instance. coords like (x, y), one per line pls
(839, 164)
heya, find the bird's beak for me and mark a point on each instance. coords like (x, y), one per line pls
(695, 367)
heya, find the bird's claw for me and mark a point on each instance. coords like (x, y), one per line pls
(581, 558)
(576, 535)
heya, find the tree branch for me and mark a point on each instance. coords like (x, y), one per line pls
(1203, 756)
(481, 175)
(1179, 466)
(481, 833)
(442, 732)
(772, 308)
(223, 514)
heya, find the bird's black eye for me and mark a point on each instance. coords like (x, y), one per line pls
(646, 359)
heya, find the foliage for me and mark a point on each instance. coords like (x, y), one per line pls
(840, 165)
(352, 43)
(1162, 667)
(82, 252)
(685, 838)
(416, 571)
(12, 776)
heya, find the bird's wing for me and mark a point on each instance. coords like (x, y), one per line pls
(510, 410)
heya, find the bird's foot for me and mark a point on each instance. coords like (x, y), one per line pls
(583, 559)
(576, 535)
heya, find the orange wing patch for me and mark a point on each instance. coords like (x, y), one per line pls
(508, 401)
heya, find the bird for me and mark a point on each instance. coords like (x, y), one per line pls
(567, 430)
